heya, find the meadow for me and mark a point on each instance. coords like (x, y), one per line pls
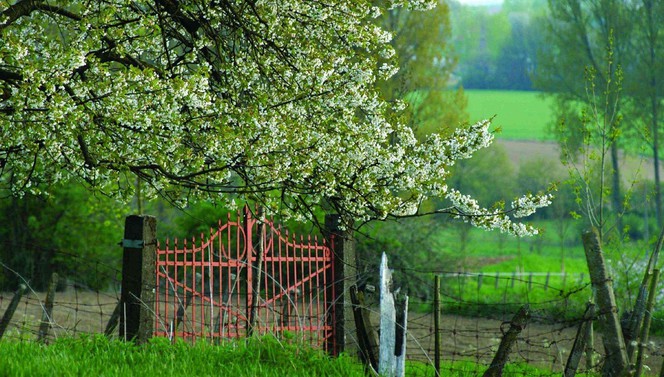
(520, 115)
(550, 274)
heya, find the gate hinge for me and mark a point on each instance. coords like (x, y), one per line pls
(132, 244)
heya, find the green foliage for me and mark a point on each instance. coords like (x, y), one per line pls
(411, 244)
(426, 61)
(589, 43)
(490, 165)
(74, 232)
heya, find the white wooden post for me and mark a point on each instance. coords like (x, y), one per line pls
(389, 364)
(386, 359)
(401, 359)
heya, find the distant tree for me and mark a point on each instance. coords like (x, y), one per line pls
(497, 48)
(271, 101)
(518, 56)
(71, 231)
(426, 61)
(579, 34)
(478, 38)
(644, 84)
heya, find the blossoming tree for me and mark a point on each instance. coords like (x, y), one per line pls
(273, 101)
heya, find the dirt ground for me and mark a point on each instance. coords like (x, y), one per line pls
(539, 344)
(519, 152)
(74, 312)
(462, 338)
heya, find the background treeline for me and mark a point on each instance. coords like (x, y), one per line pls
(498, 46)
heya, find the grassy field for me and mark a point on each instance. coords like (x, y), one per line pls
(520, 115)
(504, 271)
(97, 356)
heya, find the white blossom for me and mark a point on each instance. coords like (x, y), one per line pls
(275, 102)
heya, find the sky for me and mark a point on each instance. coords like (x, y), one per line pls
(480, 2)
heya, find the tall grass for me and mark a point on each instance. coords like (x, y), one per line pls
(98, 356)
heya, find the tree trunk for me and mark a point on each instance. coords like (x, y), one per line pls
(616, 197)
(614, 343)
(652, 31)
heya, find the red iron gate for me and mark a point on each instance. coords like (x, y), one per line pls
(247, 277)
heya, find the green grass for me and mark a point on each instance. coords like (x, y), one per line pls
(490, 253)
(506, 283)
(98, 356)
(506, 253)
(520, 115)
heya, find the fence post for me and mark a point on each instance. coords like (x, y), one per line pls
(401, 336)
(614, 343)
(530, 281)
(645, 329)
(340, 282)
(9, 313)
(590, 339)
(518, 323)
(138, 278)
(47, 314)
(579, 342)
(113, 321)
(386, 358)
(436, 324)
(366, 335)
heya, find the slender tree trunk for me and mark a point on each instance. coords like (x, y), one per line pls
(616, 197)
(655, 153)
(654, 105)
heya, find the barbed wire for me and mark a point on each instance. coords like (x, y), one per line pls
(472, 325)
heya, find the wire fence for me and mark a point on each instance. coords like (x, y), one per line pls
(476, 310)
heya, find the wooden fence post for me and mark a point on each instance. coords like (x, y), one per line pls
(366, 335)
(645, 329)
(393, 327)
(579, 342)
(113, 320)
(518, 323)
(436, 323)
(340, 282)
(9, 313)
(614, 343)
(631, 331)
(401, 336)
(138, 278)
(47, 314)
(386, 358)
(590, 339)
